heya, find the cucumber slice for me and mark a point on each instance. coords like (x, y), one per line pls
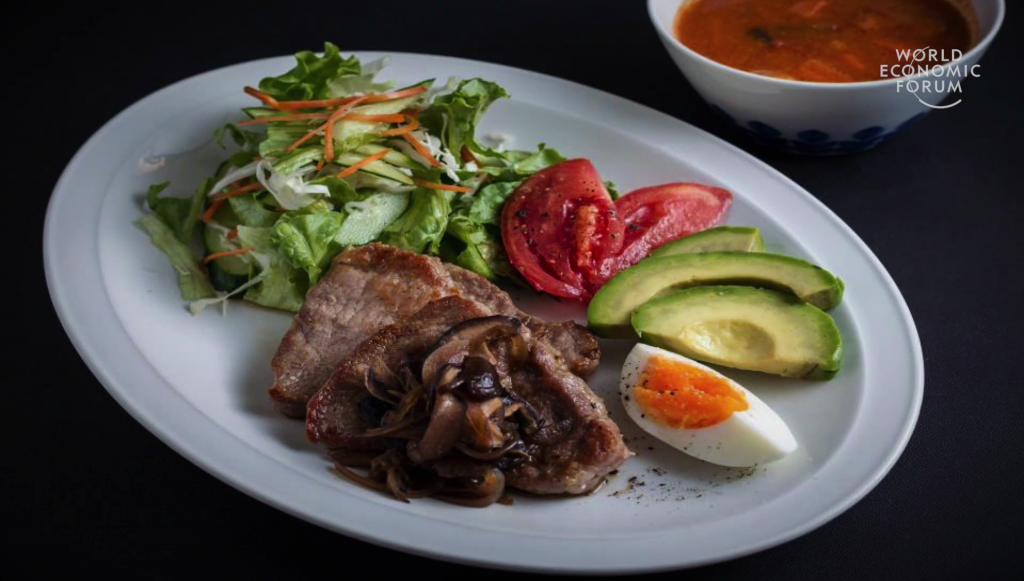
(223, 280)
(350, 135)
(378, 168)
(215, 240)
(257, 112)
(396, 158)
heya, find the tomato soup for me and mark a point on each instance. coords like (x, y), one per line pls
(830, 41)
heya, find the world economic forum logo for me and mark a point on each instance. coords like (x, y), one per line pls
(941, 73)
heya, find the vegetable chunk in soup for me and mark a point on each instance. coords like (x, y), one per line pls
(830, 41)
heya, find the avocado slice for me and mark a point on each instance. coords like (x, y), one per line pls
(745, 328)
(720, 239)
(612, 305)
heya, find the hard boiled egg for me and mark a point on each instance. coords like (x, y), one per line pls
(699, 411)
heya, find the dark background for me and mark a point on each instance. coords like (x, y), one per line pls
(90, 491)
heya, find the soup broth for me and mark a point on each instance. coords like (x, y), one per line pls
(831, 41)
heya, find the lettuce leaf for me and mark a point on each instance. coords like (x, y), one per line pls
(192, 280)
(243, 138)
(612, 190)
(363, 82)
(421, 227)
(484, 207)
(312, 76)
(178, 214)
(306, 238)
(281, 285)
(251, 212)
(514, 165)
(341, 192)
(469, 245)
(455, 116)
(279, 136)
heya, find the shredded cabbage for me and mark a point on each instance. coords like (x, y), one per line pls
(233, 176)
(291, 191)
(449, 163)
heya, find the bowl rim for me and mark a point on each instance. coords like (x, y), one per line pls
(670, 38)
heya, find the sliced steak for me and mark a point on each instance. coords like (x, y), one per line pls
(576, 446)
(338, 412)
(576, 345)
(372, 286)
(367, 288)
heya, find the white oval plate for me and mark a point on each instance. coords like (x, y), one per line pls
(199, 383)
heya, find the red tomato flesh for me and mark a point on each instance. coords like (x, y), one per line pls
(658, 214)
(542, 233)
(566, 236)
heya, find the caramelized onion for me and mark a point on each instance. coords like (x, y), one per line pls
(378, 388)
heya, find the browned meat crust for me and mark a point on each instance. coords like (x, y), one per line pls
(576, 447)
(372, 286)
(367, 288)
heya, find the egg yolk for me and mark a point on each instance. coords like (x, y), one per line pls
(678, 395)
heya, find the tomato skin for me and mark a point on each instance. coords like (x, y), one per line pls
(542, 234)
(566, 236)
(656, 215)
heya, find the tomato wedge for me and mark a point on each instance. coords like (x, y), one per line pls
(543, 234)
(566, 236)
(658, 214)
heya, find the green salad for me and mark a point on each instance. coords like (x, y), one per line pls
(331, 157)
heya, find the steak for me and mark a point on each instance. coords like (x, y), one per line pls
(576, 345)
(337, 413)
(372, 286)
(367, 288)
(575, 447)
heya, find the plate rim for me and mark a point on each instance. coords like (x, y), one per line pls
(176, 441)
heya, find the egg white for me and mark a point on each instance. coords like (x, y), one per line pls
(750, 437)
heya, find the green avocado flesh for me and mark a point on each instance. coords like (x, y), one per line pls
(745, 328)
(720, 239)
(612, 306)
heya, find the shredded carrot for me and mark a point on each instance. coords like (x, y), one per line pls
(320, 164)
(329, 127)
(267, 99)
(283, 118)
(321, 103)
(395, 118)
(312, 132)
(404, 129)
(211, 257)
(238, 191)
(395, 95)
(362, 162)
(232, 234)
(421, 149)
(437, 186)
(467, 156)
(212, 210)
(411, 113)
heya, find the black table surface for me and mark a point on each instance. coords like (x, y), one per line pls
(90, 490)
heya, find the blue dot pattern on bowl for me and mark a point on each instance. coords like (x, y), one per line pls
(814, 141)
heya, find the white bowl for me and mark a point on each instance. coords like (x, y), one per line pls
(818, 118)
